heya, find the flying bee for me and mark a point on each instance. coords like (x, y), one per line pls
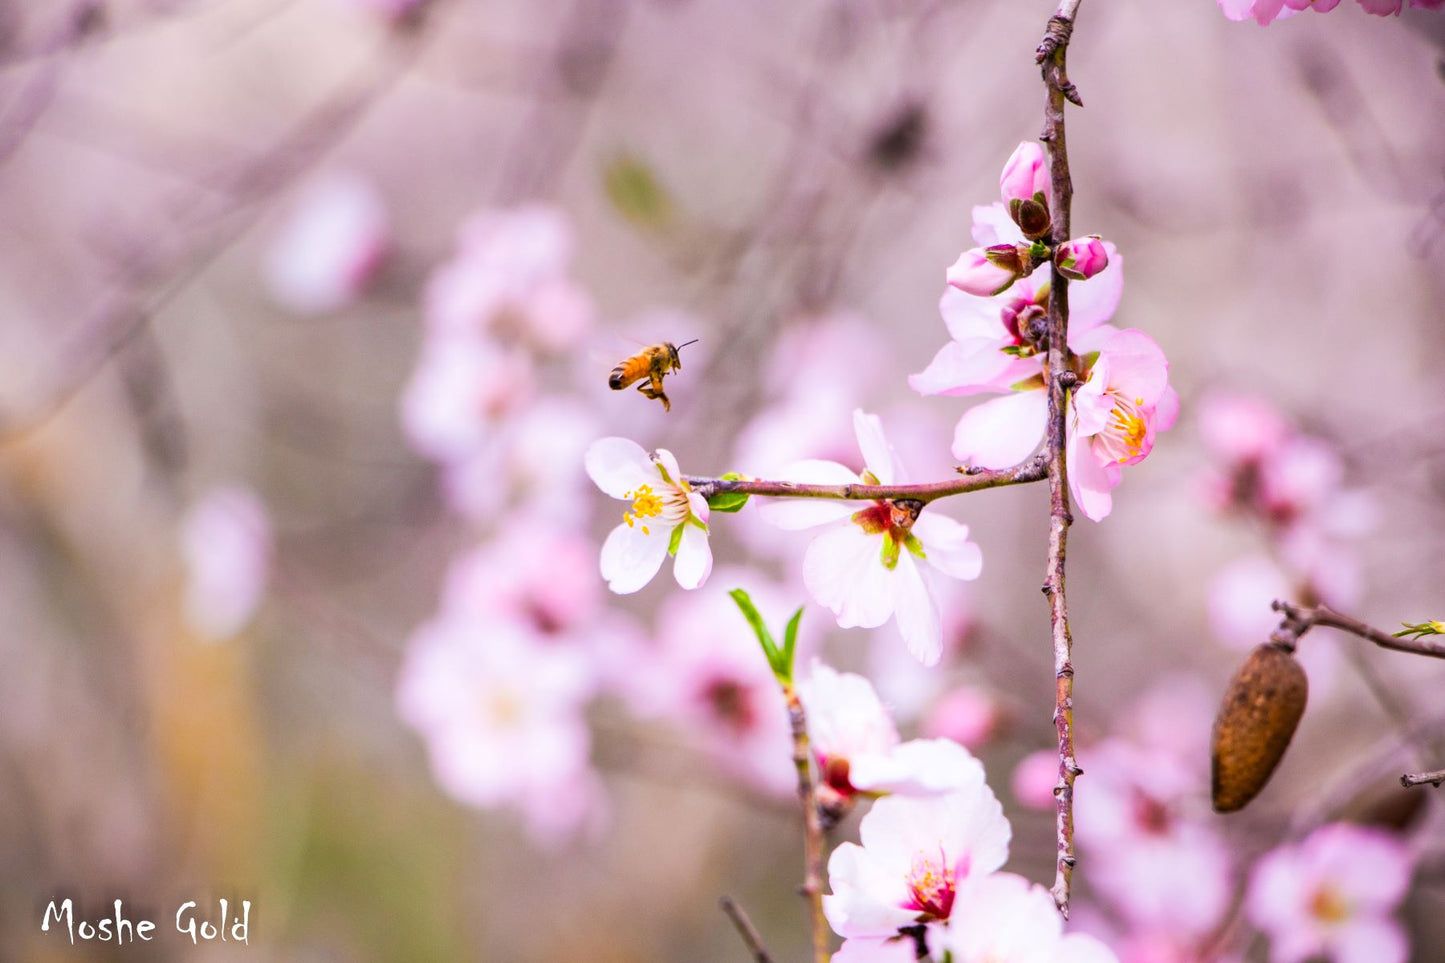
(650, 363)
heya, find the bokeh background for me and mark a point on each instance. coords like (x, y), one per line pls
(226, 228)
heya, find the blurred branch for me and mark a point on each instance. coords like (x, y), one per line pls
(1299, 619)
(82, 21)
(206, 235)
(973, 480)
(812, 824)
(1435, 778)
(1051, 56)
(745, 929)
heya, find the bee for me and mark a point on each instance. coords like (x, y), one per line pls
(650, 363)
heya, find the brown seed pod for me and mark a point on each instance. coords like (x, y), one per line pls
(1256, 721)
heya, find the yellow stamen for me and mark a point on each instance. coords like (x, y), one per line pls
(645, 504)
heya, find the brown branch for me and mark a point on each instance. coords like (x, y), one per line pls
(1050, 56)
(812, 824)
(972, 480)
(1299, 619)
(1421, 778)
(745, 929)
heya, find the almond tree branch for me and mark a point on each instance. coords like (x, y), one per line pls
(1050, 56)
(1420, 778)
(745, 929)
(1299, 619)
(812, 824)
(972, 480)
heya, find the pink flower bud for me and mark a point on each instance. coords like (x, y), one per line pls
(1025, 175)
(976, 271)
(1081, 258)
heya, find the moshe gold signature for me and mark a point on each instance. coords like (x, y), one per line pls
(121, 929)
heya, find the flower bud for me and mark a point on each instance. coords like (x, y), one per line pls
(1081, 258)
(1256, 721)
(1025, 175)
(986, 271)
(1032, 217)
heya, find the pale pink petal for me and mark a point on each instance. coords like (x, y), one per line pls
(1090, 480)
(619, 466)
(993, 225)
(1094, 301)
(919, 767)
(1166, 410)
(1370, 940)
(1082, 948)
(844, 572)
(1002, 432)
(1137, 366)
(946, 546)
(631, 556)
(694, 557)
(668, 463)
(963, 368)
(866, 895)
(866, 950)
(878, 455)
(969, 317)
(793, 514)
(917, 612)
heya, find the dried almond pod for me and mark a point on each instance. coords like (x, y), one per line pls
(1256, 721)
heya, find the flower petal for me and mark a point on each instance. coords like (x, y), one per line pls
(1094, 301)
(1002, 432)
(618, 466)
(631, 556)
(694, 557)
(969, 367)
(843, 571)
(878, 455)
(917, 612)
(946, 546)
(797, 513)
(1090, 480)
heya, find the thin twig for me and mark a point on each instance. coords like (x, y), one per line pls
(1050, 55)
(970, 481)
(745, 929)
(1299, 619)
(812, 824)
(1420, 778)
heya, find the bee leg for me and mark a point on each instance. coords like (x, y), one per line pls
(648, 391)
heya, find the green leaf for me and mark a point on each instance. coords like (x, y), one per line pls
(790, 644)
(755, 619)
(635, 192)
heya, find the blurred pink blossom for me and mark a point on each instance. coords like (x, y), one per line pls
(329, 247)
(1004, 918)
(666, 517)
(502, 719)
(1034, 779)
(1114, 416)
(459, 393)
(861, 566)
(509, 279)
(915, 855)
(1239, 429)
(226, 545)
(967, 714)
(1333, 896)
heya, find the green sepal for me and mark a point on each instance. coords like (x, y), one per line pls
(889, 554)
(911, 542)
(1039, 251)
(728, 501)
(675, 540)
(1419, 630)
(1031, 383)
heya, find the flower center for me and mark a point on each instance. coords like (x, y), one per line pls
(1151, 815)
(504, 707)
(931, 887)
(1124, 437)
(1019, 318)
(645, 504)
(729, 702)
(1328, 906)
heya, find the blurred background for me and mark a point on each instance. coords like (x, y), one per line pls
(308, 309)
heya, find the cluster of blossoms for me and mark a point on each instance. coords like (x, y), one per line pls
(1290, 486)
(996, 308)
(926, 872)
(1265, 12)
(330, 247)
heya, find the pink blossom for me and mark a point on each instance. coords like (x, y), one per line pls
(1082, 258)
(976, 273)
(502, 720)
(1025, 174)
(706, 674)
(1239, 429)
(666, 516)
(968, 715)
(1034, 779)
(1004, 918)
(226, 543)
(330, 246)
(1114, 416)
(1333, 895)
(508, 279)
(916, 853)
(862, 565)
(458, 394)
